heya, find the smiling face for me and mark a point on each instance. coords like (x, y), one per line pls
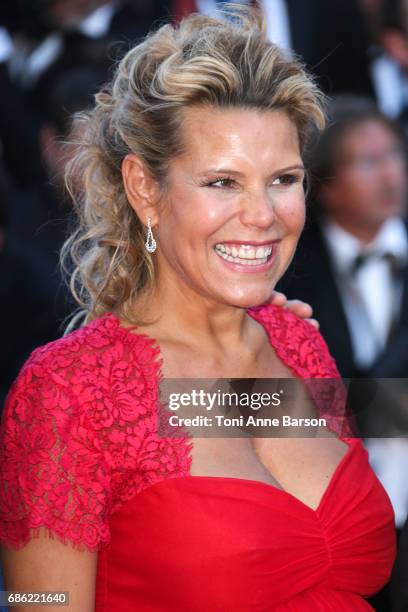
(234, 207)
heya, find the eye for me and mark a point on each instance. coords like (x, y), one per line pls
(287, 179)
(226, 182)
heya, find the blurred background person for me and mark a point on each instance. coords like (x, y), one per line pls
(355, 242)
(49, 37)
(41, 214)
(388, 55)
(54, 55)
(26, 297)
(18, 126)
(34, 223)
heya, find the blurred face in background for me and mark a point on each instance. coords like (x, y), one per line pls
(69, 13)
(370, 182)
(394, 39)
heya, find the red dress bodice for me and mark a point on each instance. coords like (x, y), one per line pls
(81, 456)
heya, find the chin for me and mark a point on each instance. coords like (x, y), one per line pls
(248, 301)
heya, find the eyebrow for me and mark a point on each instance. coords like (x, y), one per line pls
(237, 173)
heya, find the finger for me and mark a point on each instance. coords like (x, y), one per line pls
(313, 322)
(302, 309)
(278, 298)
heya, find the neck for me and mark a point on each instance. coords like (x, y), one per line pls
(180, 313)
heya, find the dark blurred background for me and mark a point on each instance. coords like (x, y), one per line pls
(352, 261)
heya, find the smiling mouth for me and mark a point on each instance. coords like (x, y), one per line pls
(245, 254)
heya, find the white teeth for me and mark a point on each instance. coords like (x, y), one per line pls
(244, 254)
(245, 262)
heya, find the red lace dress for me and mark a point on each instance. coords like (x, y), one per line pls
(80, 455)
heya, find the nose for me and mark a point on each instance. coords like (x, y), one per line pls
(258, 211)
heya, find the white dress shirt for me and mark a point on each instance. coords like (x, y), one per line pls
(6, 45)
(371, 299)
(27, 64)
(277, 18)
(390, 85)
(389, 459)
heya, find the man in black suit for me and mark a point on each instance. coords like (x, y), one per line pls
(351, 265)
(357, 218)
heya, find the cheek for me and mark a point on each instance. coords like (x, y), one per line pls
(292, 214)
(347, 195)
(354, 187)
(397, 178)
(199, 214)
(362, 194)
(213, 212)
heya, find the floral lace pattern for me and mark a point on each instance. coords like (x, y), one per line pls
(78, 435)
(302, 347)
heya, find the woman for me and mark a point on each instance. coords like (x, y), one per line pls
(188, 180)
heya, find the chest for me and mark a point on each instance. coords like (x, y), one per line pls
(278, 457)
(299, 466)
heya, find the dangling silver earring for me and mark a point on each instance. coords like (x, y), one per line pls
(150, 241)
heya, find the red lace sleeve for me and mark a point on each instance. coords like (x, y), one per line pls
(301, 346)
(78, 436)
(52, 470)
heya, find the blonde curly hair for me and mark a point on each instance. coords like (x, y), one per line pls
(226, 61)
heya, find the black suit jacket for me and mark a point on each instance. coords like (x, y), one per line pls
(332, 39)
(399, 579)
(310, 277)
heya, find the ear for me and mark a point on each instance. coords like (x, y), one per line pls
(141, 188)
